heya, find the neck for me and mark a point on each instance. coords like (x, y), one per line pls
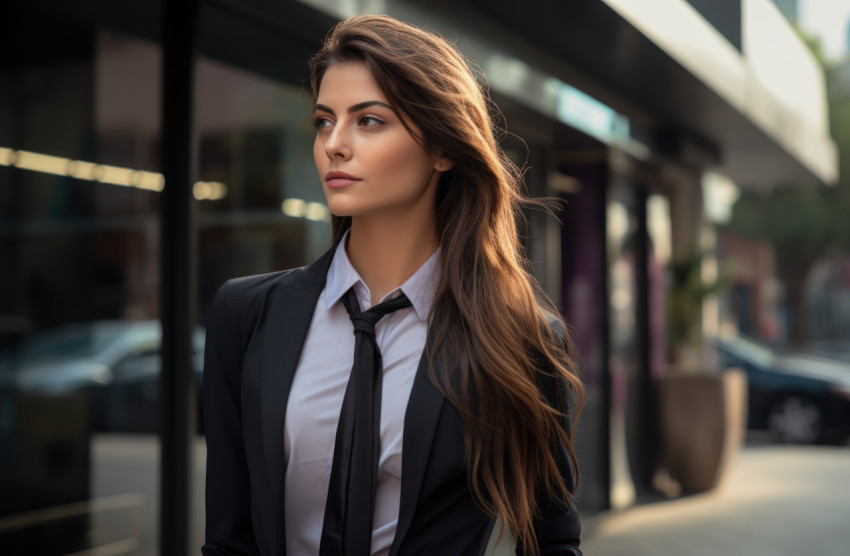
(387, 251)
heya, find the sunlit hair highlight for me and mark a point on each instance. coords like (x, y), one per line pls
(500, 342)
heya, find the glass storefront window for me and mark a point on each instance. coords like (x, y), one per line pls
(260, 202)
(262, 208)
(79, 293)
(583, 186)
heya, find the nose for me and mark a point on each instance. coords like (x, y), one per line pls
(337, 144)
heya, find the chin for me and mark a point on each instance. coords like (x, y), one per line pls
(340, 204)
(344, 211)
(340, 209)
(349, 207)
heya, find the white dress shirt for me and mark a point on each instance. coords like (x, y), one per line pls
(315, 400)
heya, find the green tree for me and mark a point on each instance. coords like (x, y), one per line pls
(805, 223)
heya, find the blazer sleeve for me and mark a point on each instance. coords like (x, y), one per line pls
(558, 528)
(228, 501)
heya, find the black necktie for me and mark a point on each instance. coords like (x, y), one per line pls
(347, 527)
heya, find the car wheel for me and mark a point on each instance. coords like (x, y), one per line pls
(796, 420)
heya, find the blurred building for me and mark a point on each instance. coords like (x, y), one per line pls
(847, 38)
(789, 8)
(622, 107)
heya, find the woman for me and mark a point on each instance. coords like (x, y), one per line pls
(447, 409)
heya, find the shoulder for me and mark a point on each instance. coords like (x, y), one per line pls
(242, 301)
(555, 328)
(246, 291)
(555, 323)
(552, 324)
(240, 304)
(248, 294)
(552, 383)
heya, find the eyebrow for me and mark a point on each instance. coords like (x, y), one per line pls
(354, 108)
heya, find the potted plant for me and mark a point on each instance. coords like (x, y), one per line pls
(701, 410)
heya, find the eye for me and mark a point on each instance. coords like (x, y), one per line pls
(320, 122)
(369, 121)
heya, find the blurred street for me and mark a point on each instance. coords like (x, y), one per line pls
(778, 500)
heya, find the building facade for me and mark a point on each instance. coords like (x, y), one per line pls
(129, 192)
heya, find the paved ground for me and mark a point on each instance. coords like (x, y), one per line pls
(125, 479)
(777, 501)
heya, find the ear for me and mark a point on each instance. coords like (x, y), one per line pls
(442, 164)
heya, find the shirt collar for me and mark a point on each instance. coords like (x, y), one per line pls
(419, 288)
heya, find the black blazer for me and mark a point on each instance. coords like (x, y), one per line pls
(256, 329)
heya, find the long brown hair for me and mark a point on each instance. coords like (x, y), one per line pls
(489, 320)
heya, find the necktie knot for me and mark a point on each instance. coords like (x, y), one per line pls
(374, 314)
(365, 322)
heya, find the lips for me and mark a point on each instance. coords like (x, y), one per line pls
(339, 179)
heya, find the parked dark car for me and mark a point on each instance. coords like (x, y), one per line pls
(799, 398)
(116, 364)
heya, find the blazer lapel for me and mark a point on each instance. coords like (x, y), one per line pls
(289, 314)
(420, 423)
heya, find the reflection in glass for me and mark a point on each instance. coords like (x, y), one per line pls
(256, 137)
(79, 335)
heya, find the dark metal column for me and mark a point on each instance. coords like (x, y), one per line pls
(645, 386)
(607, 387)
(177, 273)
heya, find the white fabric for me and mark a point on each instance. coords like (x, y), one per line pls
(315, 400)
(501, 546)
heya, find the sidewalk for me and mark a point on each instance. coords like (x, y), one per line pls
(777, 501)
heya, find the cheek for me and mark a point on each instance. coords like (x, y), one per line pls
(318, 151)
(403, 158)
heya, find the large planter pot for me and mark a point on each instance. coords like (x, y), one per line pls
(702, 419)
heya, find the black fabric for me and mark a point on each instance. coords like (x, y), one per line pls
(255, 333)
(347, 527)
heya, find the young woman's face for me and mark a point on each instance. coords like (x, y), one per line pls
(368, 162)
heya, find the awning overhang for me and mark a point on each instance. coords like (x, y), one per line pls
(662, 64)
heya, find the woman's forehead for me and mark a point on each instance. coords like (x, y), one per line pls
(349, 82)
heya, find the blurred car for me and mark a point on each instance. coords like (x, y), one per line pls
(115, 363)
(799, 398)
